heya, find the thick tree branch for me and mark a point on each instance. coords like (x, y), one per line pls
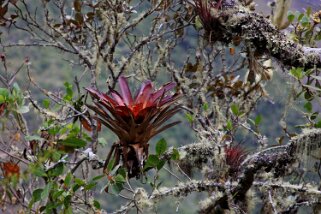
(142, 200)
(257, 30)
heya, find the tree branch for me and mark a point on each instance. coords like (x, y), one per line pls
(257, 30)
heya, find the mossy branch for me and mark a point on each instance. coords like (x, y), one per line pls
(257, 30)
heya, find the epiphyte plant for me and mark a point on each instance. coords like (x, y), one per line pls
(135, 120)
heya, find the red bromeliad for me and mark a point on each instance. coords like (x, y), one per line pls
(208, 12)
(135, 120)
(234, 156)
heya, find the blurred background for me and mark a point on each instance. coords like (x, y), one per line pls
(51, 68)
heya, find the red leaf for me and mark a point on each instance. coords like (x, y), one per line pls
(144, 92)
(126, 94)
(167, 87)
(117, 98)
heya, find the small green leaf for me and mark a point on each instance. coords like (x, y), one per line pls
(75, 187)
(69, 92)
(73, 142)
(4, 95)
(46, 103)
(37, 171)
(152, 161)
(67, 201)
(161, 147)
(110, 165)
(297, 73)
(291, 16)
(299, 15)
(121, 171)
(98, 177)
(90, 185)
(308, 106)
(235, 109)
(258, 120)
(36, 196)
(68, 179)
(57, 170)
(80, 182)
(2, 99)
(189, 117)
(54, 130)
(97, 204)
(4, 92)
(229, 125)
(160, 164)
(205, 106)
(56, 194)
(49, 207)
(120, 179)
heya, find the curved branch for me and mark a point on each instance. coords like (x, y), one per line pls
(257, 30)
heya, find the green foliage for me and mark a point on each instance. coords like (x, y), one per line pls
(46, 103)
(14, 99)
(306, 26)
(297, 73)
(152, 162)
(291, 16)
(4, 95)
(229, 125)
(235, 109)
(37, 170)
(97, 204)
(73, 142)
(161, 147)
(155, 160)
(258, 120)
(205, 106)
(189, 117)
(36, 196)
(308, 107)
(69, 91)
